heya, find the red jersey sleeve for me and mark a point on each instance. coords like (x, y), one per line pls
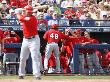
(108, 56)
(16, 39)
(85, 39)
(94, 41)
(46, 36)
(63, 36)
(1, 35)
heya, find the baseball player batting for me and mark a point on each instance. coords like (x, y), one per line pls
(53, 36)
(30, 44)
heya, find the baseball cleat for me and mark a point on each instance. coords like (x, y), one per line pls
(58, 72)
(21, 77)
(45, 72)
(38, 78)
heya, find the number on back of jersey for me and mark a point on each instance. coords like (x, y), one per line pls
(55, 36)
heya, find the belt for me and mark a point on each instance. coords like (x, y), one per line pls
(30, 37)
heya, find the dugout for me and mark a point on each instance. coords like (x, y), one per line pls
(100, 36)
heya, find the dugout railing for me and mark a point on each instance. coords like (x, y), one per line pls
(75, 52)
(89, 46)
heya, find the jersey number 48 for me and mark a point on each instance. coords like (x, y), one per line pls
(55, 36)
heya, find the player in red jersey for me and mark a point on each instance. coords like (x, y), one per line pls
(92, 58)
(67, 44)
(108, 60)
(79, 39)
(10, 37)
(53, 36)
(65, 56)
(82, 41)
(66, 53)
(105, 60)
(1, 41)
(1, 49)
(99, 54)
(30, 44)
(64, 63)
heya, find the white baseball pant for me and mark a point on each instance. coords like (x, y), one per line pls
(49, 48)
(30, 46)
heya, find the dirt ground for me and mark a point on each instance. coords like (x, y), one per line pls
(33, 80)
(60, 78)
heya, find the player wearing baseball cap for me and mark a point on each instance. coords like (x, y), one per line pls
(92, 58)
(79, 39)
(10, 37)
(30, 44)
(53, 36)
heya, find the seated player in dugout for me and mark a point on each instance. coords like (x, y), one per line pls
(10, 37)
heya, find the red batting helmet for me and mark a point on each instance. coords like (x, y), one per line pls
(29, 8)
(55, 26)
